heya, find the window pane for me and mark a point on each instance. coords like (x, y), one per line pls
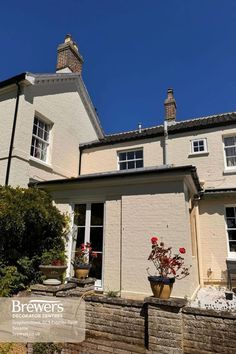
(231, 223)
(230, 212)
(96, 270)
(123, 165)
(232, 235)
(230, 151)
(130, 155)
(79, 216)
(139, 154)
(139, 164)
(80, 236)
(97, 214)
(96, 238)
(231, 161)
(229, 141)
(122, 156)
(131, 164)
(232, 246)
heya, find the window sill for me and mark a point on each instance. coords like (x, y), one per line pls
(231, 171)
(41, 163)
(197, 154)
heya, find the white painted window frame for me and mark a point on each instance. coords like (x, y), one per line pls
(126, 151)
(192, 152)
(46, 142)
(72, 243)
(230, 254)
(228, 168)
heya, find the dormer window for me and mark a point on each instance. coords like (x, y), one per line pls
(40, 140)
(131, 159)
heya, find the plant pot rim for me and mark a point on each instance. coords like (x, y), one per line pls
(83, 266)
(51, 266)
(160, 279)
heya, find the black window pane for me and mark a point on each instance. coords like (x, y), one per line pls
(131, 164)
(80, 236)
(229, 141)
(195, 144)
(139, 154)
(230, 212)
(201, 148)
(97, 214)
(232, 235)
(232, 246)
(96, 270)
(139, 164)
(79, 217)
(130, 155)
(122, 156)
(231, 223)
(96, 238)
(123, 166)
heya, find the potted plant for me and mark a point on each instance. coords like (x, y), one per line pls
(53, 265)
(168, 266)
(83, 260)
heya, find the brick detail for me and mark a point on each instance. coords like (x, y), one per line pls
(170, 106)
(68, 56)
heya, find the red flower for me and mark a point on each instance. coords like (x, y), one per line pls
(182, 250)
(154, 240)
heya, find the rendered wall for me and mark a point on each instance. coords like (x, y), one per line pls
(210, 166)
(214, 237)
(60, 104)
(133, 214)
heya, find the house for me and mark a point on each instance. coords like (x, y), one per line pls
(43, 119)
(176, 181)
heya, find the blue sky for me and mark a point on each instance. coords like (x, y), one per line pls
(133, 50)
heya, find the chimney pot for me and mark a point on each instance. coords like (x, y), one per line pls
(170, 106)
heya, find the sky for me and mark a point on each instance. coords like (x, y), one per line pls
(134, 50)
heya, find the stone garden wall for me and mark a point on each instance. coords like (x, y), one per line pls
(116, 325)
(154, 326)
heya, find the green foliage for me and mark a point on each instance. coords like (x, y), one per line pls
(112, 293)
(53, 256)
(29, 225)
(47, 348)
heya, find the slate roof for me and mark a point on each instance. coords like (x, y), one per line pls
(175, 128)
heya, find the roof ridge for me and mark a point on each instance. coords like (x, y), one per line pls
(173, 124)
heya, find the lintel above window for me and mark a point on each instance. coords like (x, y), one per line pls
(130, 159)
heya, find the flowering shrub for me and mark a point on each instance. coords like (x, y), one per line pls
(168, 265)
(84, 255)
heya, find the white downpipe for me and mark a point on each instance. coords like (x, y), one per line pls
(165, 152)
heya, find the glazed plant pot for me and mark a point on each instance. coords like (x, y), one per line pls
(82, 271)
(53, 273)
(161, 287)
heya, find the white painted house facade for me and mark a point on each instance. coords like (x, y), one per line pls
(176, 181)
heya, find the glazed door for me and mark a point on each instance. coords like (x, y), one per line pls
(88, 219)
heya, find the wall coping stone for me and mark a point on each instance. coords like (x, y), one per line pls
(52, 288)
(114, 300)
(209, 312)
(171, 302)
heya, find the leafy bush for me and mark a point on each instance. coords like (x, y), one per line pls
(29, 225)
(47, 348)
(54, 256)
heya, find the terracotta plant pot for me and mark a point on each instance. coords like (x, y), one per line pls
(161, 288)
(53, 273)
(82, 271)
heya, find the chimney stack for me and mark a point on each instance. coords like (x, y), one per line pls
(69, 58)
(170, 106)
